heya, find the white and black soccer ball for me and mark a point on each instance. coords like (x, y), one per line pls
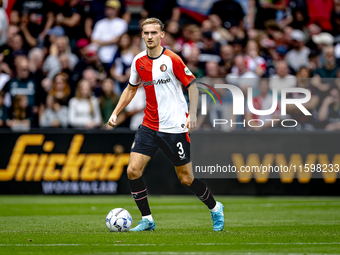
(118, 220)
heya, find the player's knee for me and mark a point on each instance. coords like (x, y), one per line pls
(133, 173)
(186, 180)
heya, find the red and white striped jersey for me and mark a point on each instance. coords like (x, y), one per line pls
(166, 108)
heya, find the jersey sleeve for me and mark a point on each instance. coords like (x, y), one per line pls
(182, 72)
(134, 76)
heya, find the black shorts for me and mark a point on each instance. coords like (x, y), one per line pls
(175, 146)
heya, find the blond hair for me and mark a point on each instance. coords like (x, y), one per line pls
(153, 21)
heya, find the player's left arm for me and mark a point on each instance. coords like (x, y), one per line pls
(192, 117)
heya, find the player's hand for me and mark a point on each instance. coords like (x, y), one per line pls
(191, 123)
(113, 120)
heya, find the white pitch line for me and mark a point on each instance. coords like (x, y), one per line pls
(204, 253)
(189, 244)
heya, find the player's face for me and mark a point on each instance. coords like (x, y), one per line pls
(152, 35)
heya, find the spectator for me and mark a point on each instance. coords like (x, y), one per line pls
(23, 83)
(192, 63)
(282, 78)
(329, 111)
(60, 89)
(91, 61)
(106, 37)
(92, 77)
(122, 61)
(261, 11)
(82, 48)
(36, 60)
(84, 110)
(70, 17)
(263, 101)
(6, 50)
(50, 42)
(298, 56)
(230, 12)
(108, 101)
(65, 64)
(20, 116)
(299, 14)
(52, 64)
(193, 33)
(4, 78)
(210, 50)
(3, 110)
(97, 12)
(164, 10)
(242, 77)
(219, 33)
(3, 25)
(254, 62)
(227, 55)
(324, 76)
(303, 81)
(55, 115)
(35, 17)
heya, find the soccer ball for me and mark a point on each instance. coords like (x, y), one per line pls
(118, 220)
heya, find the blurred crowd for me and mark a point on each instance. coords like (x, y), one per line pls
(64, 63)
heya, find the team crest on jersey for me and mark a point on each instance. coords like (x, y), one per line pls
(163, 68)
(187, 71)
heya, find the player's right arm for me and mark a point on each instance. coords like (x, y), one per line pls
(126, 97)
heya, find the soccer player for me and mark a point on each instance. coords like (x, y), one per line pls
(166, 122)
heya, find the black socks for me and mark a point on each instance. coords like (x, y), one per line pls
(138, 191)
(202, 192)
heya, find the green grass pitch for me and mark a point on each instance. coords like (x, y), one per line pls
(76, 225)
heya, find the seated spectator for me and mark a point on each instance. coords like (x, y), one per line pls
(282, 78)
(263, 101)
(329, 111)
(192, 63)
(298, 56)
(51, 38)
(92, 77)
(36, 60)
(227, 55)
(55, 115)
(84, 110)
(7, 51)
(107, 38)
(303, 81)
(52, 65)
(91, 61)
(219, 33)
(20, 114)
(324, 76)
(192, 34)
(35, 18)
(108, 101)
(23, 83)
(210, 50)
(60, 89)
(122, 61)
(242, 77)
(254, 62)
(3, 110)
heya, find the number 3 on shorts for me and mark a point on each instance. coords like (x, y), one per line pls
(180, 150)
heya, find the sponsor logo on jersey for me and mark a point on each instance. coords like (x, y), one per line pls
(187, 71)
(141, 68)
(163, 68)
(156, 82)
